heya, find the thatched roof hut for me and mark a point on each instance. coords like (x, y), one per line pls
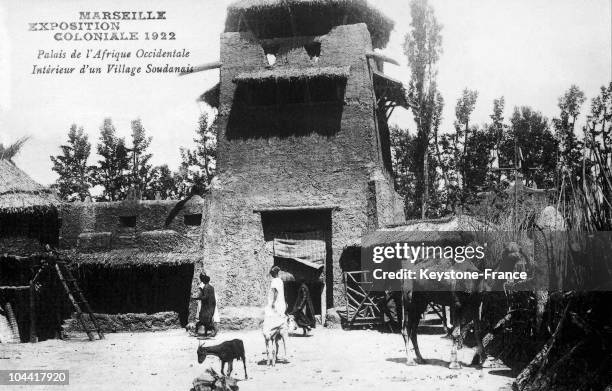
(21, 194)
(282, 18)
(27, 209)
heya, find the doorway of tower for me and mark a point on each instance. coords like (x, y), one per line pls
(300, 242)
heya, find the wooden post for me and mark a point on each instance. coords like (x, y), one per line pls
(346, 294)
(33, 336)
(12, 322)
(323, 304)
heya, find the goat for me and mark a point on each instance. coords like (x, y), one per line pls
(227, 352)
(272, 337)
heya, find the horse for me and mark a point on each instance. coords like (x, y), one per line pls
(464, 297)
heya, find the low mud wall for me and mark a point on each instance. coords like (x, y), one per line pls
(124, 322)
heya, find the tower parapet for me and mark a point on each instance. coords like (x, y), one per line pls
(291, 18)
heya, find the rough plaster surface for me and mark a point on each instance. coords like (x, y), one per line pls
(241, 318)
(96, 225)
(124, 322)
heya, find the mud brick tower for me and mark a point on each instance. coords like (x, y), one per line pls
(303, 148)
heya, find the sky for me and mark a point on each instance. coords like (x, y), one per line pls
(529, 51)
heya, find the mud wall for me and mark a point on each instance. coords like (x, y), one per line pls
(27, 232)
(100, 226)
(113, 323)
(387, 205)
(281, 172)
(20, 245)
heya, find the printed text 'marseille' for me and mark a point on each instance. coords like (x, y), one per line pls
(122, 15)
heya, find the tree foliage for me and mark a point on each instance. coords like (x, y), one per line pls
(141, 168)
(403, 146)
(477, 162)
(198, 165)
(463, 111)
(75, 175)
(113, 169)
(422, 47)
(165, 183)
(120, 168)
(536, 144)
(570, 147)
(8, 152)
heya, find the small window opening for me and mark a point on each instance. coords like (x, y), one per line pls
(127, 221)
(271, 52)
(314, 51)
(193, 219)
(271, 58)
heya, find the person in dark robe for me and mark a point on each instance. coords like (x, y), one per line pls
(207, 306)
(303, 310)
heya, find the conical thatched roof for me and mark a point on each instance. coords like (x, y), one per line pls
(310, 17)
(19, 193)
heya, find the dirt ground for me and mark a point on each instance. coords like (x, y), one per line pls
(331, 359)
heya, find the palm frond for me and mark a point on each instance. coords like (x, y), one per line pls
(11, 150)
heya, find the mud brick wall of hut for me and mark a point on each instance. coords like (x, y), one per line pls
(101, 226)
(20, 245)
(26, 232)
(342, 169)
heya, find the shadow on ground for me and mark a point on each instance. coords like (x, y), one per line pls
(265, 362)
(504, 372)
(431, 361)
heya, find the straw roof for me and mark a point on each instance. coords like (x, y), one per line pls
(451, 223)
(211, 96)
(293, 74)
(19, 193)
(390, 89)
(122, 258)
(309, 17)
(383, 237)
(454, 229)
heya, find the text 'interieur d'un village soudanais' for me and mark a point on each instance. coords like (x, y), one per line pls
(115, 66)
(103, 26)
